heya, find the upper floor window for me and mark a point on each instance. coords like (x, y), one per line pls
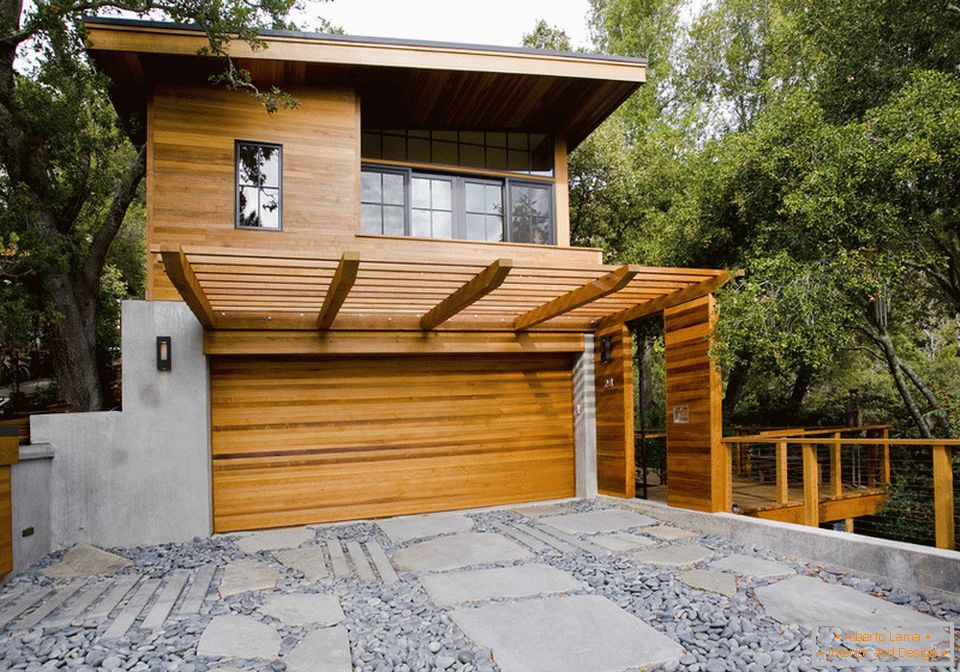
(524, 153)
(259, 171)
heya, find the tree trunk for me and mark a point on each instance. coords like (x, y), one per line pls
(801, 386)
(73, 341)
(736, 384)
(893, 364)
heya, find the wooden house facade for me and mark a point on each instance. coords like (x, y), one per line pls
(392, 308)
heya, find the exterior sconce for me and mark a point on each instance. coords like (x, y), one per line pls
(164, 357)
(606, 349)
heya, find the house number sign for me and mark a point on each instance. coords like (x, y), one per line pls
(609, 383)
(681, 415)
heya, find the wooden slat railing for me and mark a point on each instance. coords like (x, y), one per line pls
(941, 457)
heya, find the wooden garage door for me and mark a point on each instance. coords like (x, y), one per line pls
(299, 441)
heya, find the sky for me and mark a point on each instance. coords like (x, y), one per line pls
(493, 22)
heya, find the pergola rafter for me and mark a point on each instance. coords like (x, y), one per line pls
(612, 282)
(181, 274)
(340, 286)
(475, 289)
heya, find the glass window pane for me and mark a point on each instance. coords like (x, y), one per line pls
(494, 225)
(247, 207)
(394, 148)
(393, 220)
(476, 227)
(494, 199)
(441, 195)
(270, 208)
(370, 219)
(370, 145)
(248, 158)
(518, 161)
(471, 156)
(270, 166)
(517, 141)
(416, 134)
(393, 188)
(418, 150)
(370, 187)
(420, 192)
(444, 152)
(474, 196)
(420, 223)
(449, 136)
(442, 224)
(472, 137)
(496, 158)
(497, 139)
(530, 214)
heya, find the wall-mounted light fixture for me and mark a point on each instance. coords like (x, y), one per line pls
(164, 356)
(606, 349)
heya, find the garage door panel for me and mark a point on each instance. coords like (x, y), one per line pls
(300, 441)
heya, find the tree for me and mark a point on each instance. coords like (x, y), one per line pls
(68, 173)
(545, 36)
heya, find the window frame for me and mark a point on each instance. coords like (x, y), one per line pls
(392, 170)
(508, 217)
(237, 185)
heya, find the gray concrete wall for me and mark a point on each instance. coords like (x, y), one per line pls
(585, 421)
(140, 476)
(31, 481)
(908, 566)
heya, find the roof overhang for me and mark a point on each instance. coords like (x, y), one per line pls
(229, 288)
(485, 88)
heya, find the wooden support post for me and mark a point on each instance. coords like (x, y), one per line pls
(885, 466)
(811, 486)
(848, 525)
(783, 480)
(836, 473)
(943, 498)
(475, 289)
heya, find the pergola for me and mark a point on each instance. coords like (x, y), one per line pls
(297, 290)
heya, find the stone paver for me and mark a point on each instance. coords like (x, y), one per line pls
(337, 559)
(745, 565)
(482, 584)
(387, 574)
(593, 522)
(308, 561)
(274, 540)
(459, 550)
(715, 582)
(113, 597)
(132, 609)
(168, 597)
(668, 533)
(242, 576)
(304, 609)
(680, 554)
(52, 603)
(360, 562)
(621, 541)
(806, 599)
(20, 604)
(83, 560)
(580, 633)
(323, 650)
(540, 510)
(406, 528)
(197, 592)
(234, 636)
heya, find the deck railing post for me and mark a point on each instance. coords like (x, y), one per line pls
(943, 497)
(885, 466)
(811, 486)
(836, 474)
(783, 481)
(728, 480)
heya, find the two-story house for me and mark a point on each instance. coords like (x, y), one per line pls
(394, 318)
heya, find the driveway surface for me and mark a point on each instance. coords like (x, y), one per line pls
(578, 586)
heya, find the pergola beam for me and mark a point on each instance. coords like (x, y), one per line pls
(181, 274)
(475, 289)
(612, 282)
(647, 308)
(340, 285)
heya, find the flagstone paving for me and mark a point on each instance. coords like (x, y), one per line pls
(497, 590)
(83, 560)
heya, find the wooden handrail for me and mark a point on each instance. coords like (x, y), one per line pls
(853, 440)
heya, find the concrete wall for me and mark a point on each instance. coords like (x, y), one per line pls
(31, 480)
(140, 476)
(585, 421)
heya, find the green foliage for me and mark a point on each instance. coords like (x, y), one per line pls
(545, 36)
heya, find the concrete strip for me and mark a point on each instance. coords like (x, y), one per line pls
(21, 604)
(364, 571)
(337, 560)
(274, 540)
(459, 550)
(909, 566)
(674, 556)
(593, 522)
(746, 565)
(80, 604)
(233, 636)
(578, 633)
(159, 612)
(549, 540)
(304, 609)
(132, 610)
(113, 597)
(323, 650)
(407, 528)
(51, 604)
(198, 590)
(483, 584)
(85, 560)
(585, 546)
(309, 561)
(807, 599)
(9, 596)
(522, 537)
(242, 576)
(382, 563)
(715, 582)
